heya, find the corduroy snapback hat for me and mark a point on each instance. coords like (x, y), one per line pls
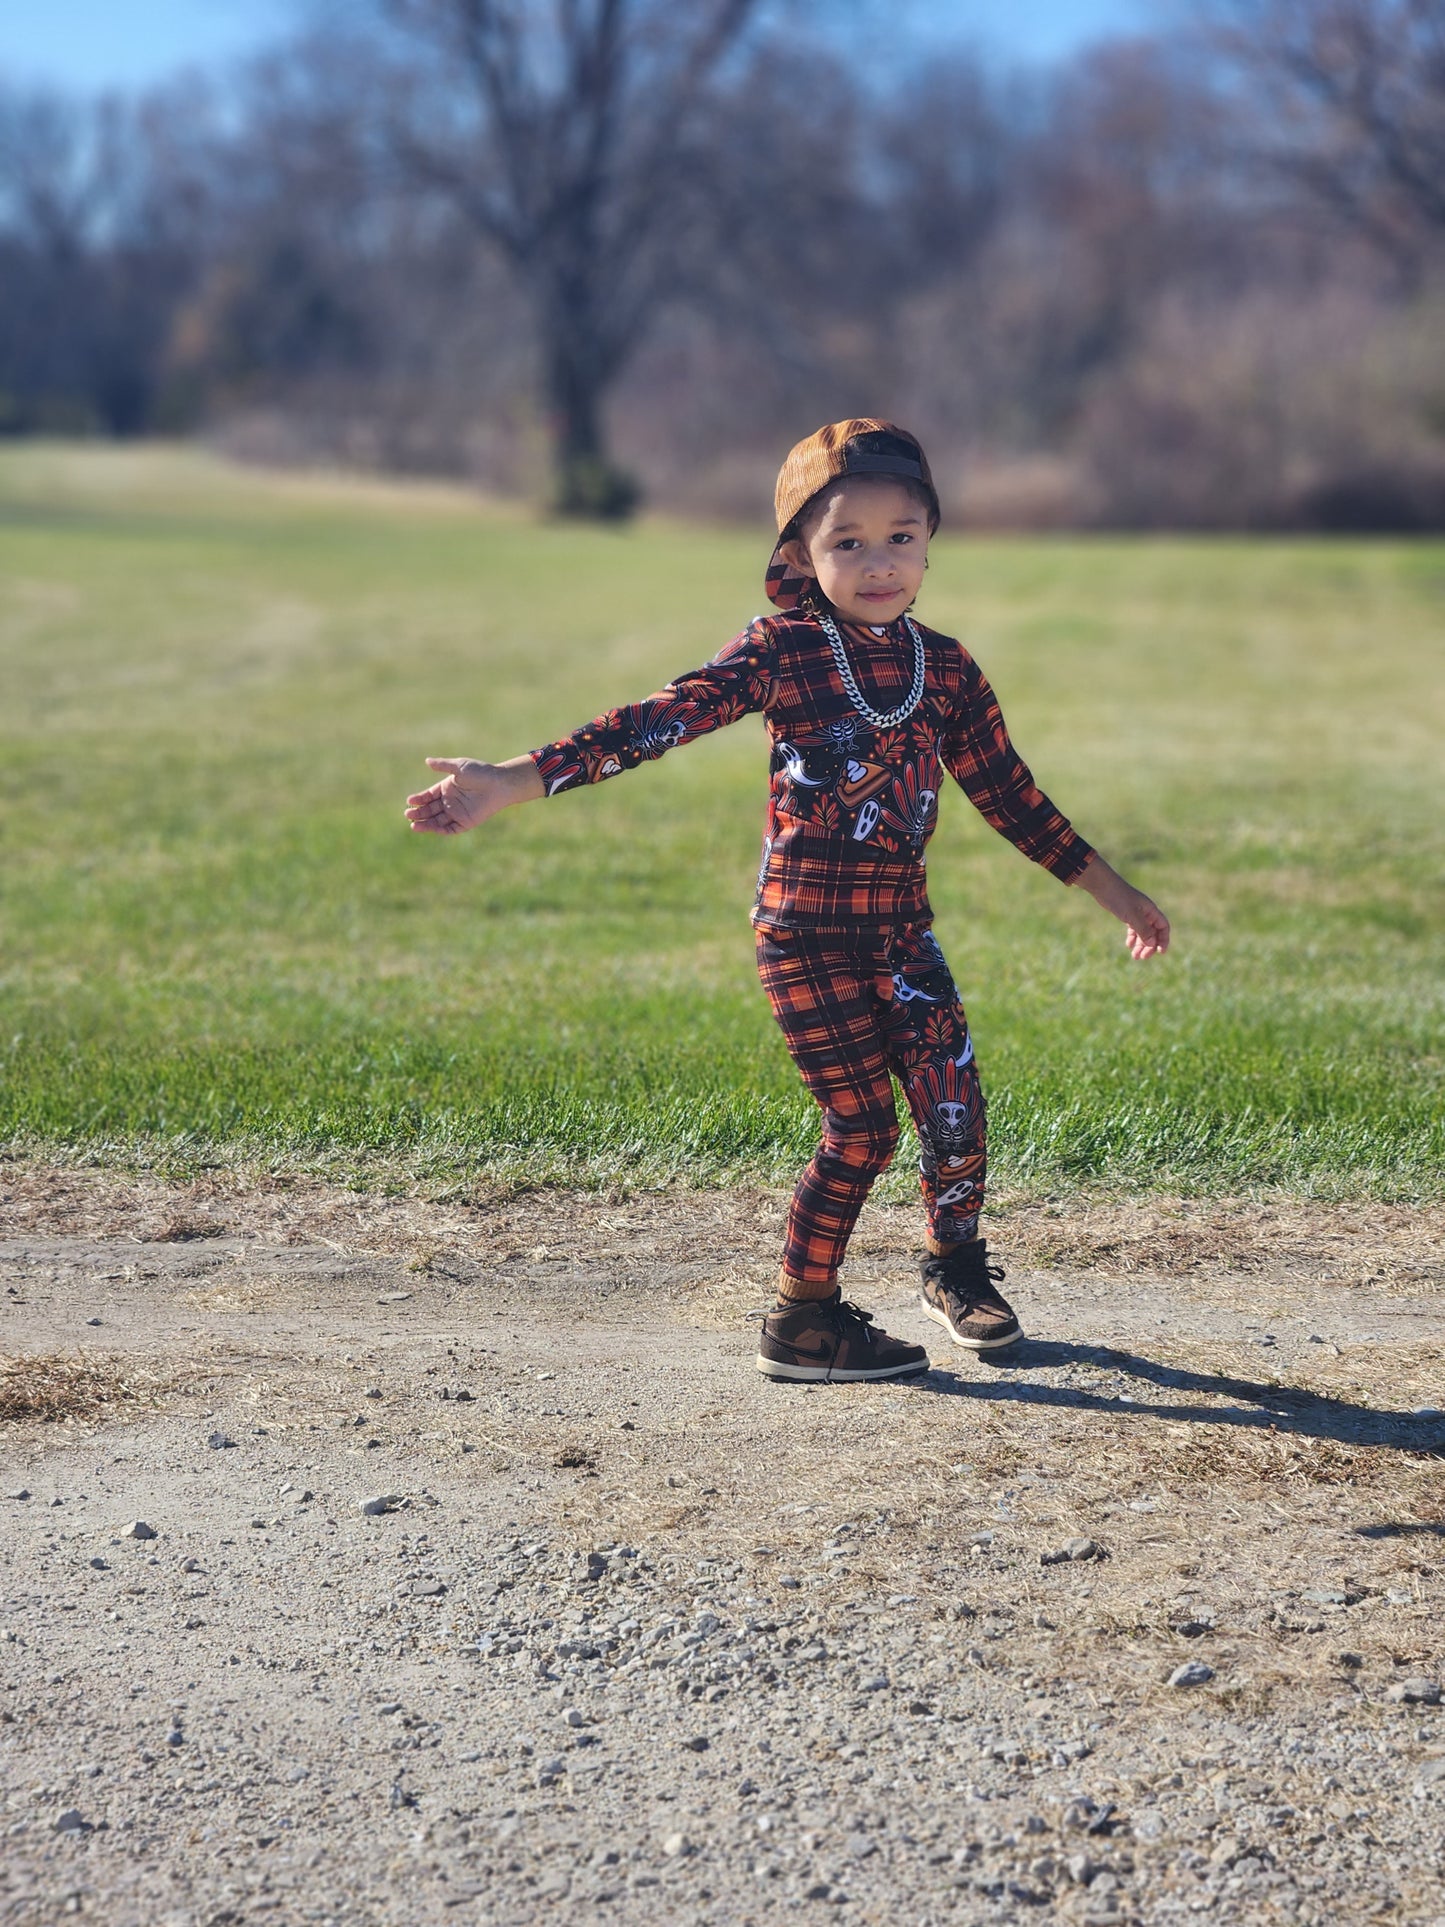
(859, 447)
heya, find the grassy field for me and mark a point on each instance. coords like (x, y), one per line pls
(220, 943)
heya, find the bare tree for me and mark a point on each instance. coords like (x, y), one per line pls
(577, 138)
(95, 252)
(1347, 99)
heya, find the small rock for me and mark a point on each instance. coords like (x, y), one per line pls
(18, 1492)
(675, 1844)
(175, 1737)
(138, 1529)
(858, 1846)
(389, 1707)
(820, 1890)
(789, 1583)
(1074, 1551)
(392, 1297)
(92, 1321)
(100, 1565)
(190, 1565)
(1080, 1868)
(297, 1774)
(1087, 1816)
(72, 1820)
(426, 1588)
(574, 1716)
(384, 1502)
(596, 1565)
(219, 1442)
(697, 1744)
(1414, 1692)
(1194, 1672)
(372, 1391)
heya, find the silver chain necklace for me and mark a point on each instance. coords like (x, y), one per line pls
(880, 718)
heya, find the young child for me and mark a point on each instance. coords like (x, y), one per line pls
(864, 708)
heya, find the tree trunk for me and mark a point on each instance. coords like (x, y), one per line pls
(585, 480)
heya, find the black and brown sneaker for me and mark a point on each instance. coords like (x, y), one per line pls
(961, 1292)
(827, 1340)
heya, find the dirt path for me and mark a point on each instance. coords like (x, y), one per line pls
(649, 1639)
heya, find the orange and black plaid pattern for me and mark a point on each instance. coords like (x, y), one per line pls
(850, 807)
(856, 1012)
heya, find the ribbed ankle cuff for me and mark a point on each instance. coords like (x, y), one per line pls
(799, 1291)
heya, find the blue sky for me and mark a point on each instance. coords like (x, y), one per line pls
(92, 44)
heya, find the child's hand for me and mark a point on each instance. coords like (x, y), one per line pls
(1146, 927)
(470, 793)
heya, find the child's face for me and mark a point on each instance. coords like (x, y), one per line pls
(867, 549)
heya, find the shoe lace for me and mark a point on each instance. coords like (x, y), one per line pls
(853, 1319)
(963, 1288)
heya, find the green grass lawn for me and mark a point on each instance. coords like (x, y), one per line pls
(221, 943)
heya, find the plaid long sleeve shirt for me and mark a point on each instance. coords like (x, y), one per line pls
(850, 806)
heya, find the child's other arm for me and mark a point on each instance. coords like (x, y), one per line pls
(471, 792)
(998, 782)
(1145, 924)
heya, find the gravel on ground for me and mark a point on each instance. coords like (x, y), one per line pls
(386, 1561)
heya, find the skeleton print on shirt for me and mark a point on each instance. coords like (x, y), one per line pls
(850, 806)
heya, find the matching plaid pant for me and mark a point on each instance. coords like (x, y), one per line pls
(858, 1009)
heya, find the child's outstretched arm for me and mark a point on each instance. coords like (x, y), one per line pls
(1145, 924)
(471, 792)
(735, 683)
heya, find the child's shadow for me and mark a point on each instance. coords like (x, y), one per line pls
(1227, 1401)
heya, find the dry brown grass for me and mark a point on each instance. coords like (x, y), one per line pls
(1378, 1246)
(1383, 1248)
(178, 1227)
(59, 1386)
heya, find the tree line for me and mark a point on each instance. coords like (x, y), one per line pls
(605, 249)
